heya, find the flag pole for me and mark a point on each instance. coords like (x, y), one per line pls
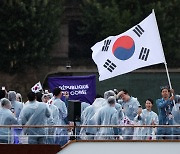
(170, 86)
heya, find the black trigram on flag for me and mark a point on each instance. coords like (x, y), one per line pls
(109, 65)
(106, 45)
(138, 30)
(144, 54)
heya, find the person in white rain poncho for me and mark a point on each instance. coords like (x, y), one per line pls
(87, 118)
(61, 140)
(107, 115)
(34, 113)
(6, 118)
(84, 105)
(16, 109)
(16, 106)
(118, 106)
(146, 117)
(53, 119)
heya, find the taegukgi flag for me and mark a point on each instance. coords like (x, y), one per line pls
(37, 87)
(138, 47)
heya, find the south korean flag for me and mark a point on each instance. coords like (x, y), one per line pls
(138, 47)
(37, 87)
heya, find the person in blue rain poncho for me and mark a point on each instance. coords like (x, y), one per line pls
(84, 105)
(107, 115)
(6, 118)
(88, 119)
(164, 106)
(34, 113)
(118, 106)
(130, 108)
(16, 106)
(146, 117)
(53, 119)
(16, 109)
(60, 139)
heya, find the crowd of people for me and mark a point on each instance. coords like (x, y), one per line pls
(117, 108)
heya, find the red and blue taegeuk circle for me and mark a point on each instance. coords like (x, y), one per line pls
(123, 47)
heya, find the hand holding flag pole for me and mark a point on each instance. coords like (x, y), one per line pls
(170, 86)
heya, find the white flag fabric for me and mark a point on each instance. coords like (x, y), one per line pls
(138, 47)
(37, 87)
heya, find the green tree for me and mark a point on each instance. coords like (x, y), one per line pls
(28, 29)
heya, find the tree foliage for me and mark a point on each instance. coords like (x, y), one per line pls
(102, 18)
(28, 30)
